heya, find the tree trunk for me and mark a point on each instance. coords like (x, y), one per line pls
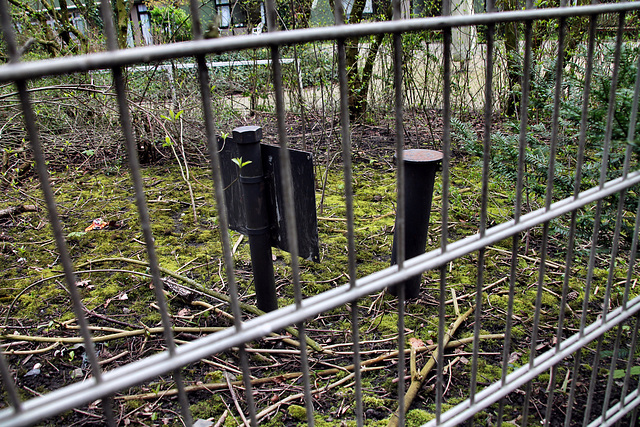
(513, 60)
(359, 78)
(123, 10)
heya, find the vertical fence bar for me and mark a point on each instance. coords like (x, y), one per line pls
(287, 186)
(143, 212)
(400, 224)
(548, 200)
(214, 157)
(6, 26)
(593, 381)
(9, 384)
(630, 361)
(486, 156)
(576, 190)
(56, 225)
(513, 272)
(446, 151)
(603, 178)
(633, 117)
(345, 136)
(605, 158)
(618, 226)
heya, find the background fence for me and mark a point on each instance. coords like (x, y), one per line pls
(584, 373)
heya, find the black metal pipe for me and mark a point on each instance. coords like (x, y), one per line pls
(420, 168)
(252, 181)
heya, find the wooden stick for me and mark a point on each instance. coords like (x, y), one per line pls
(198, 288)
(416, 383)
(16, 210)
(294, 375)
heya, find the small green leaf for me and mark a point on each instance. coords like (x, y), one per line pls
(620, 373)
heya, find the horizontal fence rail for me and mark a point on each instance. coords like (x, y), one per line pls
(573, 347)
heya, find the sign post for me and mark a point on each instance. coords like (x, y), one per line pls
(255, 203)
(248, 138)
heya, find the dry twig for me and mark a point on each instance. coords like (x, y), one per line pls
(416, 382)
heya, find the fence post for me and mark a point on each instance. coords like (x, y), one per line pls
(420, 168)
(252, 182)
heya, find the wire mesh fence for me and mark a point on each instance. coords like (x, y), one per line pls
(569, 356)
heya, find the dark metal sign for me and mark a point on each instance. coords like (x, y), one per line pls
(303, 191)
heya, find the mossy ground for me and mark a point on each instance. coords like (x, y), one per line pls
(35, 303)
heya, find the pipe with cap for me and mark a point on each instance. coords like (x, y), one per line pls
(252, 181)
(420, 168)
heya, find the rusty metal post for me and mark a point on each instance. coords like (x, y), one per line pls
(252, 181)
(420, 168)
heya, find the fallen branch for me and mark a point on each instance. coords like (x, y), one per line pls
(17, 210)
(548, 263)
(455, 299)
(103, 338)
(416, 382)
(198, 288)
(37, 351)
(295, 375)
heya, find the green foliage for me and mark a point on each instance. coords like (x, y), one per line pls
(170, 24)
(504, 145)
(297, 412)
(238, 161)
(418, 417)
(621, 373)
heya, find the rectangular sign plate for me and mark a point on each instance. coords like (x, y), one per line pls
(304, 196)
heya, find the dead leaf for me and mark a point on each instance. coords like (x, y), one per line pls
(416, 342)
(123, 296)
(184, 312)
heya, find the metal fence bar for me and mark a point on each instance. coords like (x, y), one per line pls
(347, 169)
(544, 362)
(126, 57)
(446, 178)
(400, 231)
(56, 225)
(143, 211)
(488, 112)
(577, 183)
(603, 178)
(522, 141)
(104, 385)
(289, 211)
